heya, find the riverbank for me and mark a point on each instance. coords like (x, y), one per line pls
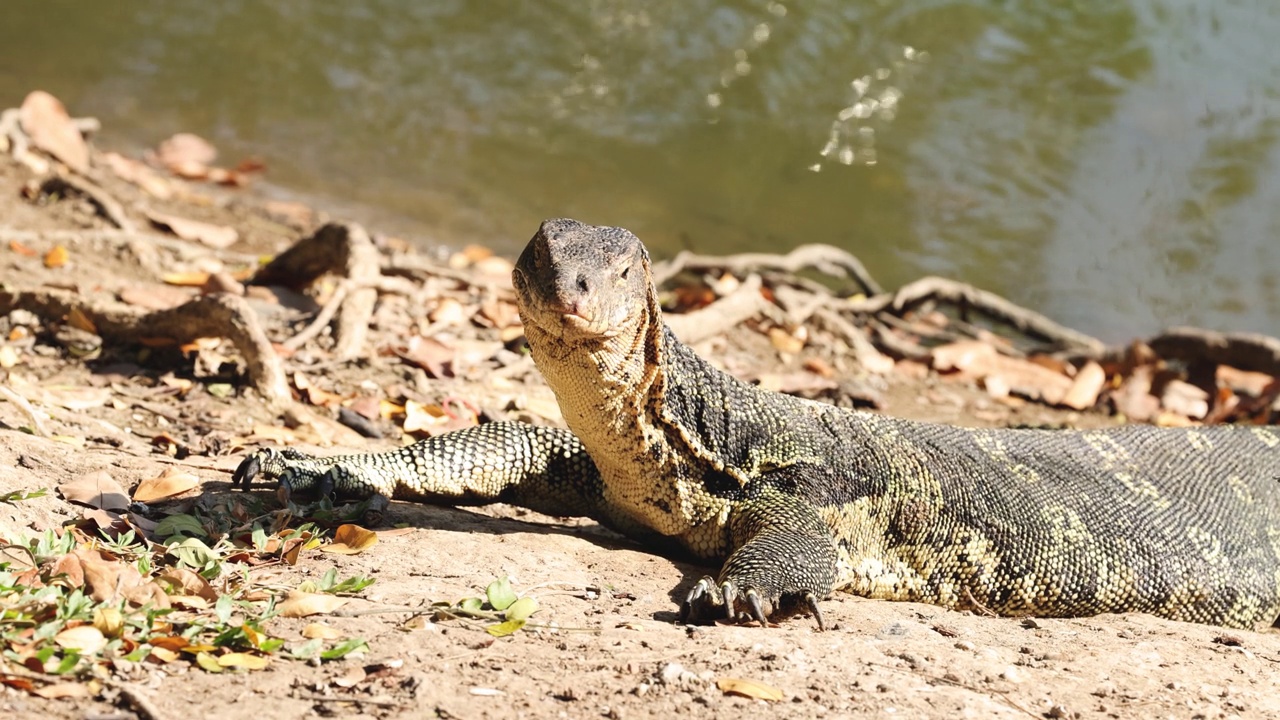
(412, 343)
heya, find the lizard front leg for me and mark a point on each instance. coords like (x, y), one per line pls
(783, 560)
(544, 469)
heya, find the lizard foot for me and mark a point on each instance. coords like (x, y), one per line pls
(290, 468)
(709, 600)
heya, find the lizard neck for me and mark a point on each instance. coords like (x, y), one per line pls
(604, 386)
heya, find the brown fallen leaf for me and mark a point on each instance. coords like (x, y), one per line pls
(243, 660)
(190, 583)
(106, 579)
(86, 639)
(21, 249)
(352, 677)
(63, 690)
(320, 631)
(215, 236)
(1086, 386)
(45, 120)
(1133, 398)
(1185, 399)
(56, 257)
(186, 279)
(187, 155)
(68, 566)
(302, 604)
(960, 355)
(789, 342)
(139, 174)
(168, 484)
(96, 489)
(429, 354)
(155, 297)
(350, 540)
(749, 689)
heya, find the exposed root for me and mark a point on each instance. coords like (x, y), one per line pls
(742, 304)
(217, 315)
(345, 250)
(1247, 351)
(968, 298)
(824, 258)
(107, 206)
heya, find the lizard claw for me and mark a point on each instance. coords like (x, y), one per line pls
(757, 611)
(709, 601)
(248, 469)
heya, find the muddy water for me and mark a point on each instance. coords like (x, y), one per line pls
(1111, 163)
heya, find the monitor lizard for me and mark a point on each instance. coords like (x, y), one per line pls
(799, 498)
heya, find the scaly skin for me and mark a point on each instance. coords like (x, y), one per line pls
(801, 498)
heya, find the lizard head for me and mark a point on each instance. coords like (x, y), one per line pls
(578, 282)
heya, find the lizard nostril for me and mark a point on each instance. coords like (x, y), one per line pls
(582, 283)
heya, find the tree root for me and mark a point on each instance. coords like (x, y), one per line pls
(108, 206)
(824, 258)
(966, 297)
(1246, 351)
(217, 315)
(742, 304)
(345, 250)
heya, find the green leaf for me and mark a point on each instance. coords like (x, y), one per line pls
(208, 662)
(521, 609)
(223, 608)
(500, 593)
(307, 650)
(220, 390)
(471, 605)
(345, 648)
(193, 553)
(179, 524)
(20, 495)
(504, 629)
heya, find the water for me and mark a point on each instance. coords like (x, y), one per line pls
(1113, 164)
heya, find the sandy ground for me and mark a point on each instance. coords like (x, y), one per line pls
(613, 648)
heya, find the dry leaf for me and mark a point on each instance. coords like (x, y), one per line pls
(352, 677)
(429, 354)
(1186, 399)
(786, 342)
(56, 257)
(45, 120)
(139, 174)
(350, 540)
(80, 321)
(320, 631)
(8, 357)
(749, 689)
(1084, 390)
(216, 236)
(243, 660)
(302, 604)
(86, 639)
(187, 155)
(21, 249)
(448, 312)
(155, 297)
(190, 583)
(96, 489)
(63, 690)
(164, 654)
(961, 355)
(186, 279)
(172, 482)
